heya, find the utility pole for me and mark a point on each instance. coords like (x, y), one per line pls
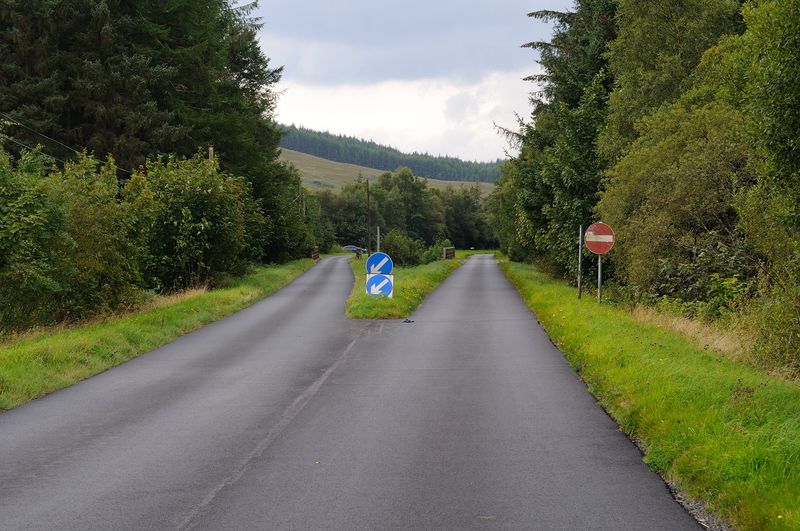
(369, 222)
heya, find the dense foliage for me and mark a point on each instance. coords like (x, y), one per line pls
(74, 243)
(341, 148)
(137, 78)
(411, 216)
(551, 187)
(685, 141)
(148, 85)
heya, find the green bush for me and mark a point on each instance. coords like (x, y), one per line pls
(777, 314)
(200, 223)
(33, 236)
(405, 251)
(434, 252)
(65, 247)
(103, 264)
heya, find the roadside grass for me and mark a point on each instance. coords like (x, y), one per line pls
(411, 286)
(731, 338)
(719, 431)
(44, 361)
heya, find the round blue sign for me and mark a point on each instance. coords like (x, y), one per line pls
(379, 285)
(379, 264)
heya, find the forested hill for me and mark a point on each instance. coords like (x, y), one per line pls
(352, 150)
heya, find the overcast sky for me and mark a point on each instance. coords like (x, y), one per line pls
(419, 75)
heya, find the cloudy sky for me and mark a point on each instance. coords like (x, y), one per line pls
(419, 75)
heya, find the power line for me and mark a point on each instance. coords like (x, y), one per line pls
(17, 122)
(26, 146)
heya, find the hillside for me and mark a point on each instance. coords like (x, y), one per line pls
(352, 150)
(322, 174)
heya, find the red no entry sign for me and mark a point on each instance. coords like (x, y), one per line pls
(599, 238)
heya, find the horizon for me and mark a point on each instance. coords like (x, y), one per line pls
(445, 77)
(383, 145)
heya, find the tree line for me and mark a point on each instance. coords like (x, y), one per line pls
(676, 123)
(351, 150)
(107, 193)
(415, 220)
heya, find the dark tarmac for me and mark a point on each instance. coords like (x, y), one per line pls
(289, 416)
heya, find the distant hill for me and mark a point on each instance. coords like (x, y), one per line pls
(351, 150)
(322, 174)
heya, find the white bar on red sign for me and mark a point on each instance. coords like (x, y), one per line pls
(592, 237)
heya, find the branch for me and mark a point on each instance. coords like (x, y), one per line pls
(540, 45)
(546, 15)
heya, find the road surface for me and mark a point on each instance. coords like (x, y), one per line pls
(288, 416)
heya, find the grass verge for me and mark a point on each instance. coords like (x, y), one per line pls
(33, 366)
(411, 286)
(721, 432)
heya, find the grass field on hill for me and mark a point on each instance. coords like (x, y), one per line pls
(721, 432)
(323, 174)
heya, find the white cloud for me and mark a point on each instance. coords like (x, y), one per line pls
(440, 116)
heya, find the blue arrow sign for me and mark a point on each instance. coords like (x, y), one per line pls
(380, 285)
(379, 264)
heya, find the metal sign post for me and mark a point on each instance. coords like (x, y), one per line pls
(580, 260)
(599, 278)
(599, 239)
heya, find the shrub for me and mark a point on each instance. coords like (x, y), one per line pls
(200, 223)
(404, 250)
(434, 252)
(102, 264)
(33, 235)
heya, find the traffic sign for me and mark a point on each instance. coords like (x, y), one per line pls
(380, 285)
(599, 238)
(379, 264)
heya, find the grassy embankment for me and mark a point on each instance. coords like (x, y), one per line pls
(718, 430)
(45, 361)
(411, 286)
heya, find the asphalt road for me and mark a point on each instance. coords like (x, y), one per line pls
(288, 416)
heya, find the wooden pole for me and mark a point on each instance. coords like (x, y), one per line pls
(369, 222)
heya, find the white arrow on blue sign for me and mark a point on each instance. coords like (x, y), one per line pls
(379, 264)
(380, 285)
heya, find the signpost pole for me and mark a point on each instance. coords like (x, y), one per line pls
(580, 260)
(599, 278)
(369, 222)
(599, 239)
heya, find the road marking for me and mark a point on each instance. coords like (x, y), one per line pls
(286, 418)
